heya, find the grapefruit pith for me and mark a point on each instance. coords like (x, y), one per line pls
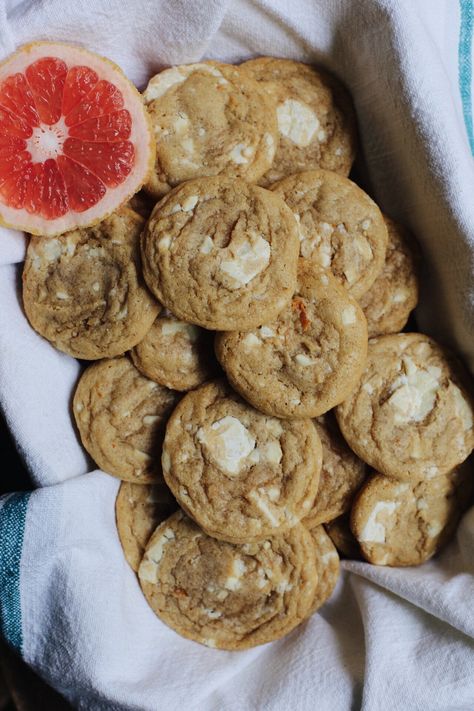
(75, 141)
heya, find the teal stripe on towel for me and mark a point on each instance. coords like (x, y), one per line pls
(12, 528)
(465, 65)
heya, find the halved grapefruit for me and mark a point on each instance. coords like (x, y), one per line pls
(75, 141)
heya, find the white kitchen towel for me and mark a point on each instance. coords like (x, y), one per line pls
(401, 639)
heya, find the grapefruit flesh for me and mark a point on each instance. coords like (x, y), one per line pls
(75, 141)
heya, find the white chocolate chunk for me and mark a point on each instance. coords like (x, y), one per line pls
(349, 315)
(330, 555)
(51, 249)
(374, 531)
(164, 243)
(164, 81)
(251, 341)
(62, 295)
(171, 328)
(190, 203)
(366, 224)
(303, 359)
(274, 426)
(297, 122)
(414, 394)
(246, 259)
(266, 332)
(212, 614)
(434, 529)
(399, 296)
(149, 566)
(207, 245)
(227, 442)
(209, 643)
(240, 153)
(233, 582)
(96, 286)
(272, 452)
(165, 461)
(262, 504)
(150, 419)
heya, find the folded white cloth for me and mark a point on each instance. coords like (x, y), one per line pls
(389, 638)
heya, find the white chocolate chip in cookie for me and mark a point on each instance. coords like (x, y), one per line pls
(171, 328)
(163, 82)
(246, 259)
(227, 442)
(374, 531)
(251, 341)
(303, 359)
(349, 315)
(272, 452)
(241, 153)
(238, 568)
(297, 122)
(148, 570)
(414, 394)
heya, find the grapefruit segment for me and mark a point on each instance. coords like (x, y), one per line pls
(11, 125)
(84, 189)
(112, 127)
(75, 141)
(16, 96)
(79, 82)
(46, 79)
(102, 99)
(111, 162)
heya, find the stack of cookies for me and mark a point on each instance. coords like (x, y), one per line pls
(237, 393)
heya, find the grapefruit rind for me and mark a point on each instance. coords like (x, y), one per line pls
(141, 136)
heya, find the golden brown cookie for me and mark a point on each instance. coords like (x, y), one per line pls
(121, 416)
(209, 119)
(175, 354)
(342, 474)
(240, 474)
(228, 596)
(411, 415)
(84, 290)
(315, 116)
(340, 226)
(339, 531)
(139, 509)
(221, 254)
(401, 523)
(327, 567)
(307, 360)
(394, 293)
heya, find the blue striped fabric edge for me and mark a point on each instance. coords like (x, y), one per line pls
(12, 529)
(465, 65)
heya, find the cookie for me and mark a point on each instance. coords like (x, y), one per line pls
(315, 117)
(410, 416)
(175, 354)
(342, 474)
(228, 596)
(339, 531)
(84, 290)
(400, 523)
(340, 227)
(394, 293)
(209, 119)
(139, 509)
(327, 567)
(221, 254)
(307, 360)
(121, 416)
(241, 475)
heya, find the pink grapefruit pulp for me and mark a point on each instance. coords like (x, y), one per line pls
(75, 141)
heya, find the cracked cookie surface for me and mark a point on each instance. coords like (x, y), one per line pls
(411, 415)
(306, 361)
(221, 254)
(209, 119)
(315, 117)
(84, 290)
(121, 416)
(397, 523)
(340, 226)
(139, 509)
(240, 474)
(342, 474)
(228, 596)
(175, 354)
(394, 293)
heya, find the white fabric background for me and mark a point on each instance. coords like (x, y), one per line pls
(398, 639)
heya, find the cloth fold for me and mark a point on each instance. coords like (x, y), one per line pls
(395, 638)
